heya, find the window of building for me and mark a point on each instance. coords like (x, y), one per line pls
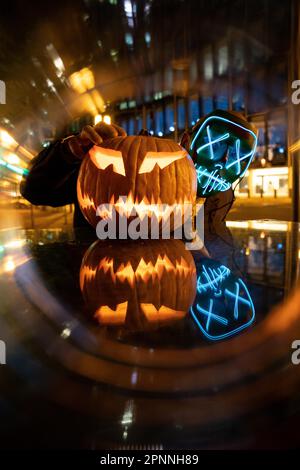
(238, 97)
(170, 124)
(159, 122)
(238, 56)
(257, 91)
(208, 65)
(150, 121)
(181, 114)
(222, 100)
(123, 124)
(131, 129)
(207, 103)
(194, 112)
(138, 123)
(277, 137)
(223, 60)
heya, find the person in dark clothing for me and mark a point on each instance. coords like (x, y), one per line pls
(53, 174)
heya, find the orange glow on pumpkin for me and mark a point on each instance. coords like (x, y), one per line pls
(85, 201)
(142, 208)
(144, 270)
(86, 274)
(162, 159)
(102, 158)
(138, 284)
(107, 315)
(137, 176)
(161, 314)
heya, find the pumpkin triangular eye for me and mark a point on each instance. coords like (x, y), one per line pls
(162, 159)
(102, 158)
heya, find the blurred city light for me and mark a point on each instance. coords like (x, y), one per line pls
(13, 159)
(77, 83)
(6, 140)
(97, 118)
(107, 119)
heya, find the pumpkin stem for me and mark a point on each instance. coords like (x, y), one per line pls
(144, 132)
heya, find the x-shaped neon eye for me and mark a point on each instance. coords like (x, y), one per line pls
(211, 142)
(102, 158)
(162, 159)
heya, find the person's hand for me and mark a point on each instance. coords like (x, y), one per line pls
(80, 144)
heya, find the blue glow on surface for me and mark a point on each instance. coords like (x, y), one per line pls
(223, 305)
(210, 278)
(210, 315)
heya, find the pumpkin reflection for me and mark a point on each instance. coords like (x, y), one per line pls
(138, 284)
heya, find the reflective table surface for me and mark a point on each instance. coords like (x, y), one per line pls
(145, 345)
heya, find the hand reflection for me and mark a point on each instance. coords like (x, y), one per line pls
(136, 284)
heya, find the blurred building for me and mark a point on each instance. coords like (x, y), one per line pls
(155, 64)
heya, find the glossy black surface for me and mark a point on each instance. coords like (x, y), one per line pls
(151, 379)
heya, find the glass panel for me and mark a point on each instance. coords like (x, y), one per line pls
(159, 122)
(207, 104)
(181, 114)
(170, 118)
(194, 113)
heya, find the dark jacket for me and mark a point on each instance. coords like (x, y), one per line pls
(52, 182)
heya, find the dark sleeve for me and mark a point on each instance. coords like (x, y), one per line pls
(217, 207)
(52, 177)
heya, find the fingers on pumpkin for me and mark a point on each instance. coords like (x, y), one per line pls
(89, 134)
(120, 130)
(108, 131)
(76, 147)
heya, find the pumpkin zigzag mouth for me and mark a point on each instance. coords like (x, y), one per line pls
(125, 272)
(129, 207)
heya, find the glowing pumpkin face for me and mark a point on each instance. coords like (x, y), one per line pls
(222, 146)
(138, 284)
(149, 172)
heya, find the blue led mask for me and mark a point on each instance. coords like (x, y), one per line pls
(223, 305)
(222, 146)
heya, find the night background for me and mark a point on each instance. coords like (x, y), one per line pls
(150, 372)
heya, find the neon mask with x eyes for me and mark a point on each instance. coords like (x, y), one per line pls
(223, 305)
(222, 148)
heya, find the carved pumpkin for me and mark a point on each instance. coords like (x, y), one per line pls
(137, 283)
(147, 170)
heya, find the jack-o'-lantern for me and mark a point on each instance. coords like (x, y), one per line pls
(222, 146)
(138, 284)
(136, 176)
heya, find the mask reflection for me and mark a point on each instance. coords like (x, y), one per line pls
(223, 305)
(138, 284)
